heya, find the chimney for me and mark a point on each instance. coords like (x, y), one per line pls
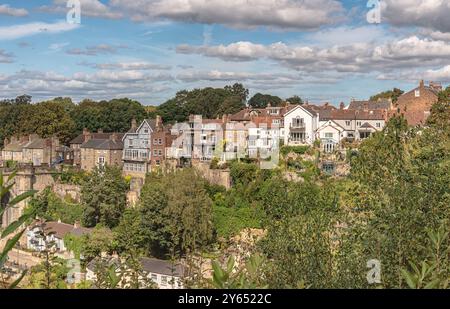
(5, 142)
(159, 122)
(342, 105)
(436, 86)
(224, 118)
(100, 131)
(133, 124)
(59, 220)
(76, 225)
(113, 137)
(86, 135)
(422, 84)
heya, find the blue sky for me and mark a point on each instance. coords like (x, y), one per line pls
(321, 50)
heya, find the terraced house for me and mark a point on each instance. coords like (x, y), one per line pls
(98, 152)
(144, 147)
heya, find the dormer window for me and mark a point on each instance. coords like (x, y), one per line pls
(417, 93)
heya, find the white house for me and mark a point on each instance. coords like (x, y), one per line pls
(42, 235)
(330, 134)
(165, 274)
(300, 125)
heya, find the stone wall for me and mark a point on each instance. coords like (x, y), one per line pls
(217, 177)
(63, 190)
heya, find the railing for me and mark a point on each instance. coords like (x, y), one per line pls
(297, 126)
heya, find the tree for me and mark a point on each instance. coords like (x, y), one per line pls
(17, 227)
(176, 212)
(129, 234)
(104, 197)
(295, 100)
(260, 100)
(393, 94)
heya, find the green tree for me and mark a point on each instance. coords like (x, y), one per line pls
(260, 100)
(104, 197)
(393, 94)
(295, 100)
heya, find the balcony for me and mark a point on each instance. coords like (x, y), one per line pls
(299, 127)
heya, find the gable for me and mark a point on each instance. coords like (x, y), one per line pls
(299, 110)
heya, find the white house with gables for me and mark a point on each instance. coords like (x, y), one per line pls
(300, 125)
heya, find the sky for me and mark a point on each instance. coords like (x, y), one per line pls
(148, 50)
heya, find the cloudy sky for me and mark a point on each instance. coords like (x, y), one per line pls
(322, 50)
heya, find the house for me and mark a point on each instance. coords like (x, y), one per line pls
(13, 149)
(351, 125)
(101, 150)
(300, 125)
(35, 150)
(40, 151)
(75, 144)
(380, 104)
(198, 139)
(42, 235)
(165, 274)
(145, 147)
(416, 104)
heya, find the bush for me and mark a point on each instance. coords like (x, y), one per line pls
(229, 221)
(285, 150)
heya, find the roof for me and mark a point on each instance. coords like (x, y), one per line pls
(367, 125)
(347, 114)
(156, 266)
(80, 138)
(149, 265)
(332, 124)
(15, 146)
(38, 143)
(383, 104)
(151, 123)
(60, 229)
(104, 144)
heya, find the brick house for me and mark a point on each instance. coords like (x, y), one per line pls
(415, 105)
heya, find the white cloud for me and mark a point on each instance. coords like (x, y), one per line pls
(91, 8)
(5, 9)
(101, 84)
(136, 65)
(281, 14)
(6, 57)
(441, 75)
(432, 14)
(95, 50)
(356, 57)
(24, 30)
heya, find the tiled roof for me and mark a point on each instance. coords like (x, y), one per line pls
(370, 105)
(346, 114)
(152, 265)
(104, 144)
(60, 229)
(15, 146)
(80, 138)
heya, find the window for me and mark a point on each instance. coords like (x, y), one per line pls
(358, 123)
(158, 162)
(328, 135)
(154, 277)
(155, 141)
(164, 280)
(298, 122)
(101, 161)
(159, 141)
(160, 153)
(417, 93)
(378, 125)
(298, 137)
(347, 123)
(155, 152)
(145, 130)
